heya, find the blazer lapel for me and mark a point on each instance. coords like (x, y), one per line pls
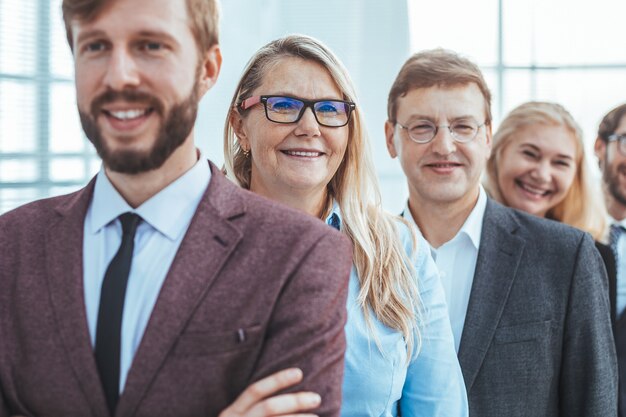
(209, 242)
(64, 261)
(498, 259)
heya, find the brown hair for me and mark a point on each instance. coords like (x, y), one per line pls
(610, 122)
(436, 68)
(580, 207)
(203, 18)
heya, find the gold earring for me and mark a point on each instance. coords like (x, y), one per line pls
(246, 153)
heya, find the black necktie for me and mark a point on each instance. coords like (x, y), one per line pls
(108, 332)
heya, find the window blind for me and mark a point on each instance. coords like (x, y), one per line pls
(42, 149)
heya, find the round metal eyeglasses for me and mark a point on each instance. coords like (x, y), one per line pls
(424, 131)
(285, 109)
(621, 142)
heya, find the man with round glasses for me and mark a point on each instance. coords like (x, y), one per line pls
(610, 148)
(526, 296)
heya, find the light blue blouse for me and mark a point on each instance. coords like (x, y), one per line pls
(377, 384)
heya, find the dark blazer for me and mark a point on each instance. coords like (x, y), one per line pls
(611, 271)
(619, 322)
(537, 339)
(255, 287)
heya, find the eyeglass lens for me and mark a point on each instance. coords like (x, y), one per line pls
(621, 142)
(461, 130)
(289, 110)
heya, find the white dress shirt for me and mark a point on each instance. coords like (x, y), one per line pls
(165, 219)
(456, 261)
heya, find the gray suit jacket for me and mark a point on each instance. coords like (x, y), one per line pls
(619, 322)
(255, 287)
(537, 339)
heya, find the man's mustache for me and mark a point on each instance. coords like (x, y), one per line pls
(128, 96)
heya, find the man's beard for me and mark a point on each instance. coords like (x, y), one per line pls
(611, 179)
(174, 128)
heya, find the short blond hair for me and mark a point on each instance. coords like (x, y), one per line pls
(580, 208)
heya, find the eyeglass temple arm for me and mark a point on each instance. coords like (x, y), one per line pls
(249, 102)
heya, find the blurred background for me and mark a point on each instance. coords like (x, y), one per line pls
(571, 52)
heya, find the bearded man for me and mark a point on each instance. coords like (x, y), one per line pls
(610, 148)
(161, 289)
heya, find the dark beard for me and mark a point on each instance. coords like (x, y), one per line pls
(174, 129)
(612, 182)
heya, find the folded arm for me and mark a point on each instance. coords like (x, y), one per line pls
(261, 400)
(307, 326)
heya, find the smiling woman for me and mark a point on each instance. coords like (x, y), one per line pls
(538, 165)
(294, 155)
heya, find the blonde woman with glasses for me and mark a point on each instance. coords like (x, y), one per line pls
(294, 134)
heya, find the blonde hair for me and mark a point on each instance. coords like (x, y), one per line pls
(580, 208)
(386, 273)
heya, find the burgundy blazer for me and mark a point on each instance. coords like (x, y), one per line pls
(255, 288)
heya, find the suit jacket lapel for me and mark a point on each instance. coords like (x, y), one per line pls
(499, 255)
(64, 261)
(209, 242)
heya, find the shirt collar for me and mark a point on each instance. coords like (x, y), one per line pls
(335, 211)
(408, 216)
(162, 211)
(617, 222)
(473, 225)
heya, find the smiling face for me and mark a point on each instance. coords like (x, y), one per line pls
(442, 171)
(298, 157)
(537, 168)
(139, 78)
